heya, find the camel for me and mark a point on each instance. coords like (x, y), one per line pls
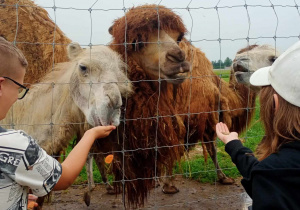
(251, 58)
(35, 34)
(246, 61)
(86, 91)
(159, 63)
(169, 74)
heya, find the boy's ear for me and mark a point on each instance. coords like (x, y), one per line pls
(276, 102)
(1, 83)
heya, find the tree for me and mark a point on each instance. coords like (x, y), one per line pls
(227, 62)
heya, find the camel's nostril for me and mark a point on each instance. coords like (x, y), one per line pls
(176, 56)
(238, 67)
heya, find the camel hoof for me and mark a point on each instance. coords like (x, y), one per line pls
(227, 181)
(87, 198)
(111, 191)
(170, 189)
(93, 186)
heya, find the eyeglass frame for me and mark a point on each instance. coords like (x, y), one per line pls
(22, 86)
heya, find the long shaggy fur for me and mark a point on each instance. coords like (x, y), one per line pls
(35, 32)
(198, 104)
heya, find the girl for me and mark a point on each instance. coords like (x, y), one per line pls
(273, 180)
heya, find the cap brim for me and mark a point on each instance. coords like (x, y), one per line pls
(260, 77)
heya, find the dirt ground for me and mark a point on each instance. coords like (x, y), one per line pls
(192, 195)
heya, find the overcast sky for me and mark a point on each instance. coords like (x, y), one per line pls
(201, 20)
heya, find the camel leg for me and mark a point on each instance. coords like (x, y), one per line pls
(99, 159)
(89, 170)
(91, 183)
(222, 178)
(169, 186)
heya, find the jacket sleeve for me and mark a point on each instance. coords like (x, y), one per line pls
(244, 160)
(36, 169)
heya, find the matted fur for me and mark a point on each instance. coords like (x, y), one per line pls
(137, 21)
(194, 105)
(36, 32)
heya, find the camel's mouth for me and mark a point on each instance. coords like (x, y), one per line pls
(243, 77)
(241, 70)
(176, 73)
(97, 121)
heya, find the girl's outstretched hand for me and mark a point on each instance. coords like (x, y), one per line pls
(223, 133)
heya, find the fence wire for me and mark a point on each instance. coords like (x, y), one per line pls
(246, 5)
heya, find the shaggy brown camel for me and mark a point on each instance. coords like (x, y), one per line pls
(161, 114)
(86, 91)
(41, 40)
(158, 68)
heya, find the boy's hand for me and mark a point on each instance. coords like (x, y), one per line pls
(31, 201)
(223, 133)
(102, 131)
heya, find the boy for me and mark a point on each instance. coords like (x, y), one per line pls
(23, 163)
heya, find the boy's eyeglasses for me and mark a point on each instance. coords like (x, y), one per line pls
(22, 89)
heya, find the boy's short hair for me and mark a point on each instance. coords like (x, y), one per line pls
(9, 51)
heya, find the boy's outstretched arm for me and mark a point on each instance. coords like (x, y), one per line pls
(76, 159)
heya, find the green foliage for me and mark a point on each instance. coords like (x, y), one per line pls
(220, 64)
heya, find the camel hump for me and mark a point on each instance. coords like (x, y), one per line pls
(74, 49)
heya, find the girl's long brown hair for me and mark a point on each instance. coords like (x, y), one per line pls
(280, 127)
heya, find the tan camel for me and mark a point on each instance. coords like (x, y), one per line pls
(86, 91)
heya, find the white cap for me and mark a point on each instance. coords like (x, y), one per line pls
(283, 75)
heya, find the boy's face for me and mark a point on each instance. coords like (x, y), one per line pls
(9, 90)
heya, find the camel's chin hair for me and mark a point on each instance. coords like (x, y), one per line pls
(243, 77)
(175, 81)
(98, 121)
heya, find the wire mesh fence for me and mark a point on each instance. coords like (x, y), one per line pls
(177, 97)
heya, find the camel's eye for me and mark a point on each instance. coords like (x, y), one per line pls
(137, 45)
(272, 59)
(180, 37)
(141, 45)
(83, 69)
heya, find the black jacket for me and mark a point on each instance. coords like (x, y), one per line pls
(273, 183)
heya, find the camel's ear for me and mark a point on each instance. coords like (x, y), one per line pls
(110, 30)
(74, 50)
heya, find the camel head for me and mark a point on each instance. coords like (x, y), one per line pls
(251, 58)
(152, 36)
(98, 83)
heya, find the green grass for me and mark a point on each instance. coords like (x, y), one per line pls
(196, 167)
(224, 74)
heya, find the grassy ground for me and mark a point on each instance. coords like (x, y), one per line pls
(195, 167)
